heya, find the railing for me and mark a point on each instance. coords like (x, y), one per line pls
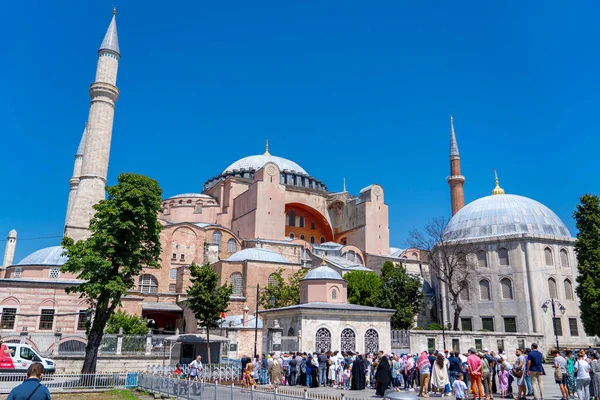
(74, 382)
(200, 390)
(210, 373)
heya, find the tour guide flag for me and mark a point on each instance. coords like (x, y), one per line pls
(222, 314)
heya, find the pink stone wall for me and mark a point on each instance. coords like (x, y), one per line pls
(323, 291)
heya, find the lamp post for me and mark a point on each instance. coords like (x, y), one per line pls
(272, 303)
(562, 310)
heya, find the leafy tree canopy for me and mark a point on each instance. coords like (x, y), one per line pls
(402, 292)
(285, 293)
(131, 324)
(587, 247)
(364, 288)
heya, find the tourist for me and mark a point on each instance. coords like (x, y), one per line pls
(534, 366)
(177, 372)
(455, 366)
(322, 360)
(475, 370)
(424, 369)
(527, 376)
(494, 371)
(248, 381)
(409, 366)
(285, 364)
(396, 372)
(293, 370)
(275, 371)
(486, 376)
(244, 360)
(459, 387)
(439, 374)
(560, 373)
(31, 388)
(595, 382)
(264, 366)
(358, 374)
(314, 371)
(256, 365)
(518, 372)
(383, 376)
(331, 372)
(571, 380)
(195, 368)
(503, 380)
(463, 358)
(582, 372)
(308, 370)
(346, 377)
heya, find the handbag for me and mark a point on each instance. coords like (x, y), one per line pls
(558, 375)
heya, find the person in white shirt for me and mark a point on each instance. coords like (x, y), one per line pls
(459, 387)
(582, 370)
(195, 368)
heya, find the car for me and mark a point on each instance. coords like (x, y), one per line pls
(17, 357)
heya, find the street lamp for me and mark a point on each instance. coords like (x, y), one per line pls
(562, 310)
(272, 303)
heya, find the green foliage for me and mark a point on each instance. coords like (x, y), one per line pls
(587, 248)
(124, 238)
(364, 287)
(387, 268)
(284, 293)
(418, 328)
(402, 292)
(206, 298)
(131, 324)
(434, 326)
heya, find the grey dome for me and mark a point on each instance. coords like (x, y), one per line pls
(193, 195)
(504, 214)
(257, 254)
(46, 256)
(259, 161)
(323, 272)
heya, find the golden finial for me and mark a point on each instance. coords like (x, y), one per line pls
(323, 262)
(267, 149)
(114, 10)
(497, 189)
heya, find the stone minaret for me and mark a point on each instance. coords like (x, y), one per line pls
(74, 181)
(92, 181)
(455, 180)
(9, 252)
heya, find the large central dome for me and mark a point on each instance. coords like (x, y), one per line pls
(259, 161)
(503, 215)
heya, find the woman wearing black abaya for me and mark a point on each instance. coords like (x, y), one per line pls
(358, 374)
(383, 376)
(314, 372)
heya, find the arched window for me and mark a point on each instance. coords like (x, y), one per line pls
(323, 340)
(292, 218)
(348, 340)
(568, 290)
(312, 225)
(552, 288)
(564, 258)
(292, 236)
(503, 257)
(414, 256)
(484, 290)
(291, 332)
(301, 222)
(312, 240)
(148, 284)
(371, 341)
(231, 246)
(237, 283)
(482, 259)
(272, 280)
(216, 238)
(548, 256)
(461, 260)
(302, 237)
(334, 294)
(322, 239)
(464, 293)
(507, 289)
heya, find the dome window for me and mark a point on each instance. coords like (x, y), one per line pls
(231, 246)
(302, 237)
(54, 273)
(503, 257)
(292, 236)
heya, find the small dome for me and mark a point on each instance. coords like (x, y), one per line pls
(46, 256)
(259, 161)
(504, 214)
(193, 195)
(323, 272)
(257, 254)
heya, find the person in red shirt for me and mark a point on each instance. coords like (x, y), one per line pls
(475, 370)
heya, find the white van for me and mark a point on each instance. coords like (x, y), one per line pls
(17, 357)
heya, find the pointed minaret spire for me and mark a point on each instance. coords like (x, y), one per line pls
(455, 180)
(81, 147)
(345, 185)
(111, 39)
(453, 144)
(267, 149)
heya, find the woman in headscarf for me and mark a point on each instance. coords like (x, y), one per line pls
(358, 374)
(314, 371)
(249, 376)
(424, 368)
(383, 376)
(275, 371)
(409, 372)
(439, 375)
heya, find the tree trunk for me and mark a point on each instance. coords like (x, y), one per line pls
(457, 311)
(95, 339)
(208, 343)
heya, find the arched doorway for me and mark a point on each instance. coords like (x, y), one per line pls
(323, 340)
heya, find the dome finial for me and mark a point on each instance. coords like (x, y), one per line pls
(497, 189)
(323, 262)
(114, 10)
(267, 149)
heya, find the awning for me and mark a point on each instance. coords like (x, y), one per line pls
(161, 306)
(196, 338)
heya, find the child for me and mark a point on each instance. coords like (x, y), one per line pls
(460, 388)
(331, 373)
(503, 379)
(177, 372)
(347, 377)
(340, 374)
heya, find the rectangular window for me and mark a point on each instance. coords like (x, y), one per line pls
(182, 258)
(558, 326)
(573, 328)
(478, 344)
(466, 324)
(46, 320)
(17, 272)
(487, 323)
(510, 324)
(8, 318)
(174, 256)
(455, 345)
(82, 320)
(172, 287)
(431, 344)
(500, 344)
(173, 274)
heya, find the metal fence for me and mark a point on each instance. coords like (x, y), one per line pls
(183, 389)
(210, 373)
(74, 382)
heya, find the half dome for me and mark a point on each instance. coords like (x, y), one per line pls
(52, 256)
(257, 254)
(503, 215)
(259, 161)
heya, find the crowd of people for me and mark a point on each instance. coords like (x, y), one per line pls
(480, 375)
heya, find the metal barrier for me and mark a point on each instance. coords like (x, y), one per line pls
(74, 382)
(213, 372)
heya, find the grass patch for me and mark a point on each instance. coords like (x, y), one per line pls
(110, 395)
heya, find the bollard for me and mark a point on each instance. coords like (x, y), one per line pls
(232, 391)
(305, 393)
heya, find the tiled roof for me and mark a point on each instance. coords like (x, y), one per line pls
(258, 254)
(332, 306)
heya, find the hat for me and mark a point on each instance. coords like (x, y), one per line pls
(485, 350)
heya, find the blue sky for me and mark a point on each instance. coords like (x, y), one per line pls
(354, 89)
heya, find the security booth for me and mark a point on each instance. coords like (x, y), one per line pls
(187, 346)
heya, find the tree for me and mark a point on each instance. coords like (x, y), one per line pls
(400, 291)
(284, 293)
(124, 238)
(131, 324)
(451, 262)
(587, 247)
(207, 299)
(363, 287)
